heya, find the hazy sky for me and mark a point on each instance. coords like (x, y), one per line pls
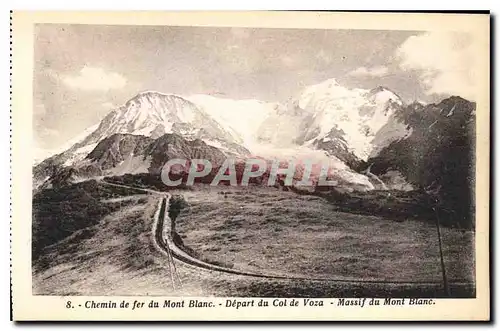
(83, 71)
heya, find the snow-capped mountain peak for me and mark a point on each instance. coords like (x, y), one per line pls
(147, 111)
(151, 114)
(352, 116)
(154, 114)
(329, 88)
(345, 123)
(383, 94)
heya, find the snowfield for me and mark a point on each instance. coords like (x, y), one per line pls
(362, 120)
(359, 113)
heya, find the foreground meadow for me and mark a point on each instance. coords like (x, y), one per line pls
(282, 233)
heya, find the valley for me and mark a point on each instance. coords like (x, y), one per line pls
(319, 251)
(394, 170)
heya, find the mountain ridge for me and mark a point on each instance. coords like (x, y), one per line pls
(438, 156)
(345, 126)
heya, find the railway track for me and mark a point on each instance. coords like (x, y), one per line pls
(160, 240)
(164, 239)
(164, 235)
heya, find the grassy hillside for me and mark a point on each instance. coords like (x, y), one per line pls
(285, 233)
(59, 213)
(104, 245)
(101, 243)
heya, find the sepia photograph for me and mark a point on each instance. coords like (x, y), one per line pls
(190, 161)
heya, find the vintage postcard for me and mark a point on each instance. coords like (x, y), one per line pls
(250, 166)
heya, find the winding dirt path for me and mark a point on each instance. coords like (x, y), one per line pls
(163, 236)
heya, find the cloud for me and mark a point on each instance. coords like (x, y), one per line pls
(94, 79)
(377, 71)
(445, 62)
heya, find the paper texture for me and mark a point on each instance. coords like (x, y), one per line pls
(250, 166)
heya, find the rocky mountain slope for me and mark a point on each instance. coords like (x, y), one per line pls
(153, 114)
(437, 156)
(354, 130)
(150, 114)
(346, 122)
(121, 154)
